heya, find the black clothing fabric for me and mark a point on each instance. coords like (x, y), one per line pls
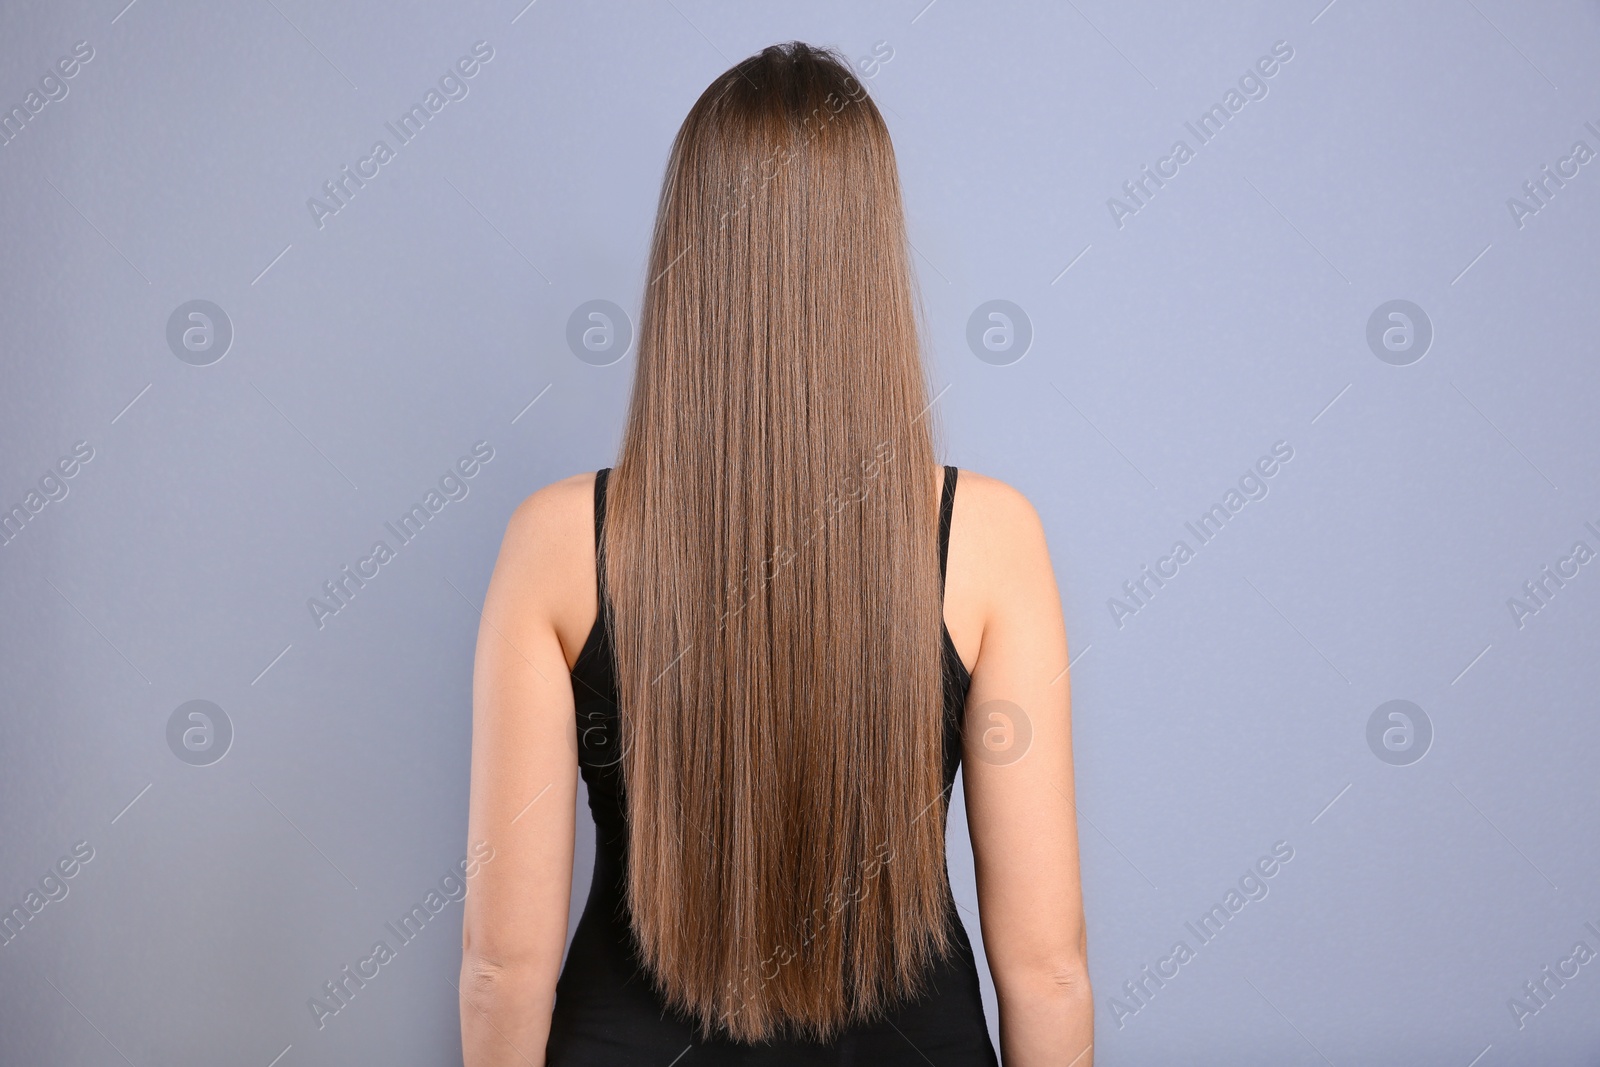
(606, 1009)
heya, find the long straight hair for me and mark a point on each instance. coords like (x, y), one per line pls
(772, 562)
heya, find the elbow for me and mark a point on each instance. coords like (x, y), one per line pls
(1070, 979)
(508, 998)
(482, 983)
(490, 963)
(478, 972)
(490, 976)
(488, 983)
(505, 1010)
(499, 970)
(1069, 973)
(1059, 980)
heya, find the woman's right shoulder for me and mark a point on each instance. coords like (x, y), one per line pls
(551, 531)
(554, 514)
(546, 567)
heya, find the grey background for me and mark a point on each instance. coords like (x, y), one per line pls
(1229, 313)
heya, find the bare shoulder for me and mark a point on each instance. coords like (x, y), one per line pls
(995, 509)
(546, 563)
(1017, 770)
(995, 529)
(551, 512)
(997, 556)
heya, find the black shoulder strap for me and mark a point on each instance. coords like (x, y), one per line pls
(599, 532)
(947, 503)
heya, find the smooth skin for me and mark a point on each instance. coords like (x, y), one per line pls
(1003, 610)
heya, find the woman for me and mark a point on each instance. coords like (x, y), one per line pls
(758, 640)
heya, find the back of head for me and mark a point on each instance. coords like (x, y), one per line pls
(771, 558)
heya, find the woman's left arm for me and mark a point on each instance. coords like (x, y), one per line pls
(524, 785)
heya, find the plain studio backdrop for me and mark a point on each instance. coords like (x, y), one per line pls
(242, 346)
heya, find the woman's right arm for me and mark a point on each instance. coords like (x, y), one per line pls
(524, 779)
(1019, 788)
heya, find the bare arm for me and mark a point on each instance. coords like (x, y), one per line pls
(524, 783)
(1019, 787)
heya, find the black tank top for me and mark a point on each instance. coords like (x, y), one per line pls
(606, 1009)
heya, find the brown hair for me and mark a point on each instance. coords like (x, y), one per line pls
(772, 562)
